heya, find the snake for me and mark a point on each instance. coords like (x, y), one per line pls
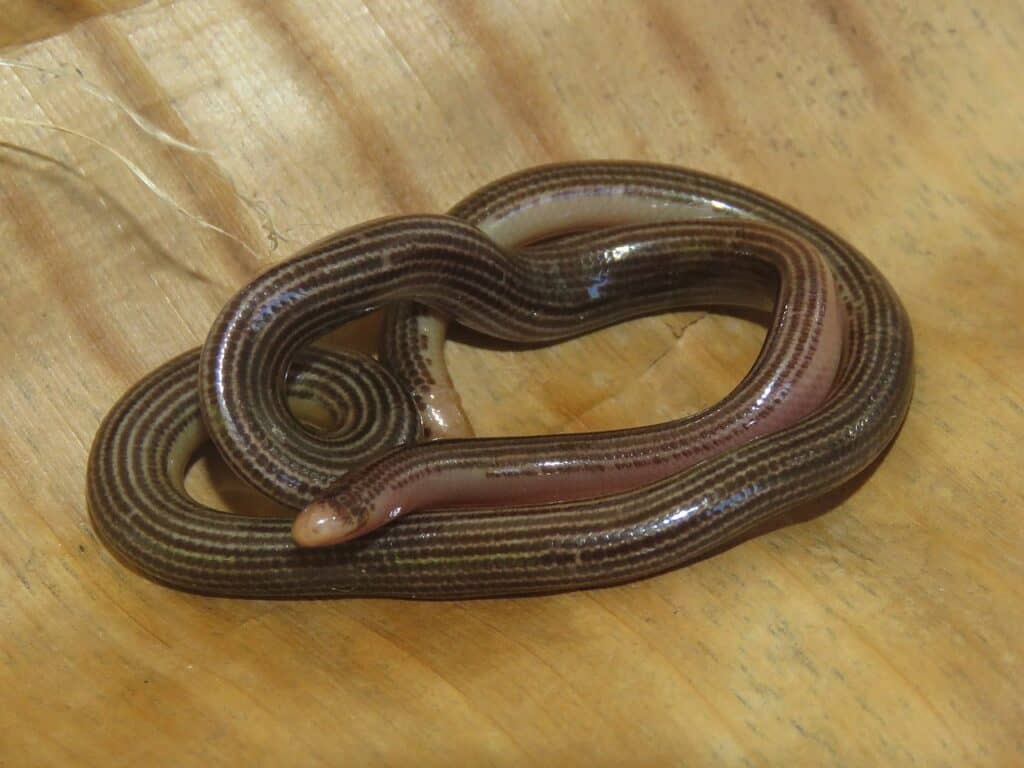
(541, 255)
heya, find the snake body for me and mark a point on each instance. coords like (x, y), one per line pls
(679, 238)
(633, 269)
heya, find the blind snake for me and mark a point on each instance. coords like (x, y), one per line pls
(827, 394)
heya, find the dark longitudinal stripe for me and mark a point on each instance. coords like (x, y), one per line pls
(141, 511)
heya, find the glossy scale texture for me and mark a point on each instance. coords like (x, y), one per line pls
(493, 551)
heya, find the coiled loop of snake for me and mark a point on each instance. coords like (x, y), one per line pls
(736, 245)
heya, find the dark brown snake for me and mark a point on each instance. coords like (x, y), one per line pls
(826, 396)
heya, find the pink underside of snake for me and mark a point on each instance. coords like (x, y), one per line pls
(321, 523)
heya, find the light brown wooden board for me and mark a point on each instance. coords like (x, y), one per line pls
(22, 21)
(886, 630)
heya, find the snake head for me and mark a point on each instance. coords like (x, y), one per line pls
(330, 520)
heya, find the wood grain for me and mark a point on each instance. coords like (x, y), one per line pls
(26, 20)
(879, 627)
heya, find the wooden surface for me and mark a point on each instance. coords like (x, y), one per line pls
(24, 20)
(881, 628)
